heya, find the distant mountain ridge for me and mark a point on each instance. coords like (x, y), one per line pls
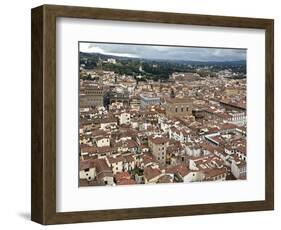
(192, 62)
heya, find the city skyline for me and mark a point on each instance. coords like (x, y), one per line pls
(146, 121)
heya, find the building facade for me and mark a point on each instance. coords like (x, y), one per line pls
(158, 147)
(91, 96)
(178, 107)
(146, 100)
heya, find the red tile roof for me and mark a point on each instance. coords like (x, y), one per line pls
(181, 169)
(150, 173)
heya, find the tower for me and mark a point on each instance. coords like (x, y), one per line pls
(172, 95)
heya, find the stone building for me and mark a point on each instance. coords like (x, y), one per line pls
(178, 107)
(149, 100)
(158, 147)
(91, 96)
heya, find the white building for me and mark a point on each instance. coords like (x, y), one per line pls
(237, 118)
(241, 153)
(124, 118)
(193, 176)
(129, 163)
(239, 169)
(182, 135)
(193, 150)
(108, 124)
(149, 100)
(116, 164)
(102, 141)
(87, 170)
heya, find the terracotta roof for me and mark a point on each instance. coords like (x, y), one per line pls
(223, 115)
(125, 181)
(177, 100)
(213, 130)
(104, 174)
(143, 146)
(181, 169)
(101, 166)
(99, 132)
(158, 140)
(150, 173)
(129, 158)
(122, 175)
(105, 149)
(218, 139)
(208, 147)
(115, 159)
(147, 158)
(240, 104)
(228, 126)
(131, 144)
(165, 179)
(214, 172)
(86, 164)
(210, 110)
(88, 149)
(107, 120)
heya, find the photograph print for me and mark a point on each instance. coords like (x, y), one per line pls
(152, 114)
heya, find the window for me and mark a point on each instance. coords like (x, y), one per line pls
(182, 109)
(176, 110)
(186, 109)
(86, 170)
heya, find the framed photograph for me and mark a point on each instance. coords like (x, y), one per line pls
(140, 114)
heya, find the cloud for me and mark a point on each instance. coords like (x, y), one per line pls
(90, 48)
(166, 52)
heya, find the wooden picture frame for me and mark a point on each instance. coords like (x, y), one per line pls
(43, 207)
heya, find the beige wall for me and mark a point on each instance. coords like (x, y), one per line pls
(178, 109)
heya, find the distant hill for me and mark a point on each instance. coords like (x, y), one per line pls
(158, 69)
(191, 62)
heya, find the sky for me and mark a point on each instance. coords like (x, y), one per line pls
(165, 52)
